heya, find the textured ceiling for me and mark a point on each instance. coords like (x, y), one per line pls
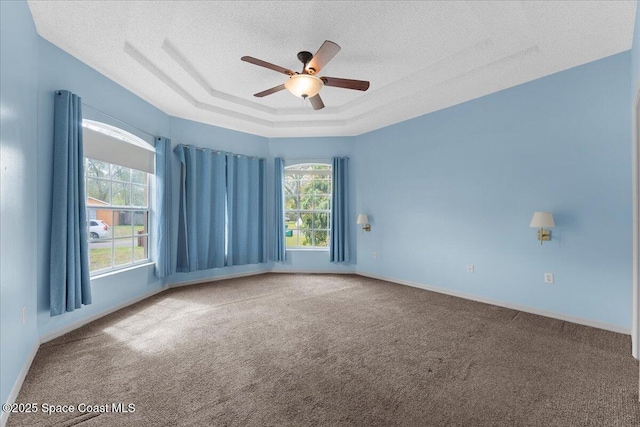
(184, 57)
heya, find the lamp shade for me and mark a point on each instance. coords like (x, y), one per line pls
(363, 219)
(304, 85)
(542, 220)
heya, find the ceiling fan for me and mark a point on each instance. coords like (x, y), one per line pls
(305, 84)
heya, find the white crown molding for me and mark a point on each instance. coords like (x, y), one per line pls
(184, 57)
(183, 63)
(372, 103)
(136, 55)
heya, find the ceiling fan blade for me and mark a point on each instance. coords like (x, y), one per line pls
(316, 102)
(268, 65)
(345, 83)
(326, 52)
(270, 91)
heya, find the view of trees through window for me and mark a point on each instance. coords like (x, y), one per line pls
(117, 215)
(307, 189)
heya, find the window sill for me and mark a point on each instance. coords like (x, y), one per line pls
(122, 270)
(307, 249)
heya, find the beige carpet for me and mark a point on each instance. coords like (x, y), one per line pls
(298, 350)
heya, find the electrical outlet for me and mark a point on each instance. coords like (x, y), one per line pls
(470, 268)
(548, 278)
(374, 255)
(24, 314)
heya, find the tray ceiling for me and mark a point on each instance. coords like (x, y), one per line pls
(184, 57)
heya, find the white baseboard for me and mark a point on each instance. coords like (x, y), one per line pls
(18, 384)
(518, 307)
(579, 320)
(75, 325)
(275, 270)
(215, 279)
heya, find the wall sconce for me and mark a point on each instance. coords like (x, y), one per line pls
(364, 220)
(542, 220)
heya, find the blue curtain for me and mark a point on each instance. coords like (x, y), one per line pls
(279, 242)
(69, 270)
(164, 264)
(340, 210)
(246, 210)
(201, 232)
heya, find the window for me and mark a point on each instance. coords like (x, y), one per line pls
(118, 167)
(307, 190)
(117, 215)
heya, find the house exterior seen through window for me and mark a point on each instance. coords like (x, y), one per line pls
(117, 198)
(307, 191)
(118, 215)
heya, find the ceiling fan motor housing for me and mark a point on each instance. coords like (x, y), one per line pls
(305, 57)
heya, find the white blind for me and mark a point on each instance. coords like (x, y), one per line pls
(109, 144)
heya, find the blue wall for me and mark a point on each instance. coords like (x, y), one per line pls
(459, 186)
(105, 95)
(635, 78)
(65, 72)
(635, 53)
(18, 151)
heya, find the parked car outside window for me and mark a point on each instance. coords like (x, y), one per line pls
(98, 229)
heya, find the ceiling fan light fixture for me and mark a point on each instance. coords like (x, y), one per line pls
(304, 85)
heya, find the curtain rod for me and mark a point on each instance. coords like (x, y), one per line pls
(121, 121)
(221, 152)
(287, 159)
